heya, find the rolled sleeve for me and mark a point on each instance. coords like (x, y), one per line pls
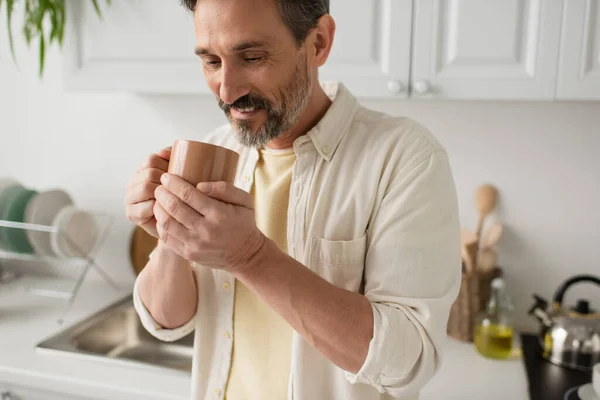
(153, 327)
(412, 277)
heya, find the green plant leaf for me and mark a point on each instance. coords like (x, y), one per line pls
(36, 13)
(9, 11)
(42, 53)
(61, 13)
(28, 34)
(97, 7)
(54, 26)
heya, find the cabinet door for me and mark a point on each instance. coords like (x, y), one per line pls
(486, 49)
(11, 392)
(138, 46)
(148, 46)
(579, 71)
(371, 50)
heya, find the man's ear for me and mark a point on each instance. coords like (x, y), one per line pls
(322, 39)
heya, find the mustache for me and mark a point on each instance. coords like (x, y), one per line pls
(246, 101)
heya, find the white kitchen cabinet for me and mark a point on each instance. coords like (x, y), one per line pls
(12, 392)
(486, 49)
(579, 70)
(138, 46)
(148, 46)
(441, 49)
(372, 47)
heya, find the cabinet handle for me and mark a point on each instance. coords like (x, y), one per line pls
(6, 396)
(422, 87)
(395, 87)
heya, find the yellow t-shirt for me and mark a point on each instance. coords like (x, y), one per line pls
(262, 339)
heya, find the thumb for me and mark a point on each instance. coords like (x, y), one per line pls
(227, 193)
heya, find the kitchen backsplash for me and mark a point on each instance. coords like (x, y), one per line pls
(543, 157)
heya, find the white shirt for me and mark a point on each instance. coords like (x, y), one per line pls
(372, 209)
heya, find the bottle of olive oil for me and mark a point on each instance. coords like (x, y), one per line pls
(494, 326)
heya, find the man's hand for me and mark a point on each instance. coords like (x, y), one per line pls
(139, 200)
(211, 224)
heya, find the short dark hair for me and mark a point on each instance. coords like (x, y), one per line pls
(300, 16)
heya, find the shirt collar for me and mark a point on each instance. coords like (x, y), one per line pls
(331, 129)
(327, 134)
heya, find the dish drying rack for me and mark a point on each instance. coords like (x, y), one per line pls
(77, 267)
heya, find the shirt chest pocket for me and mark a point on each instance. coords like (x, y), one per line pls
(340, 262)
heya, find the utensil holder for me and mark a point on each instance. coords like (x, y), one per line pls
(472, 298)
(75, 267)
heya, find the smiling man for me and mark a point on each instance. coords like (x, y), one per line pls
(328, 270)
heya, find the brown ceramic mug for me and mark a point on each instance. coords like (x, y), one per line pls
(203, 162)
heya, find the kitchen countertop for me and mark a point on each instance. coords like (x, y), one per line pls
(26, 320)
(467, 375)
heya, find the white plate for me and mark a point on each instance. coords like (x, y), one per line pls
(5, 182)
(42, 210)
(586, 392)
(77, 233)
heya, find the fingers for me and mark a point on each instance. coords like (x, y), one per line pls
(227, 193)
(157, 161)
(141, 191)
(141, 213)
(189, 194)
(148, 175)
(172, 242)
(167, 226)
(176, 207)
(165, 153)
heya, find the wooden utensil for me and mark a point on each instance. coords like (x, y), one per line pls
(470, 243)
(141, 245)
(487, 259)
(493, 234)
(486, 198)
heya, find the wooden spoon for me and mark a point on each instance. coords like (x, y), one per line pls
(487, 260)
(486, 198)
(492, 235)
(470, 244)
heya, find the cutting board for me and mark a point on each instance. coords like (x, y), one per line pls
(141, 245)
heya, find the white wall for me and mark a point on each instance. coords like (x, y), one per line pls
(542, 157)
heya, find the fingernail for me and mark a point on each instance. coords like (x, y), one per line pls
(205, 187)
(164, 179)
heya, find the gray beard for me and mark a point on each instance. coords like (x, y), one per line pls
(295, 99)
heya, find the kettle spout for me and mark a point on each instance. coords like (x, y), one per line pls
(538, 310)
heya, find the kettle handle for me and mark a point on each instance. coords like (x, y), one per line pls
(560, 292)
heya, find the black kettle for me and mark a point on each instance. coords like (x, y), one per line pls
(569, 337)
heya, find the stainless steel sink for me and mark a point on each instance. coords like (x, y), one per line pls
(116, 333)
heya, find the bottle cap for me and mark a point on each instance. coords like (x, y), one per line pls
(498, 283)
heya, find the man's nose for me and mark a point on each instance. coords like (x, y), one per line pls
(233, 85)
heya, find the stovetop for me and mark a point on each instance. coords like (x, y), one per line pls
(546, 380)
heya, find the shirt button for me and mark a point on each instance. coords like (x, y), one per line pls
(326, 150)
(227, 335)
(217, 391)
(226, 286)
(246, 178)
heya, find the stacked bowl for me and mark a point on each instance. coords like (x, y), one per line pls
(75, 231)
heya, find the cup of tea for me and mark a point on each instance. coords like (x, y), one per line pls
(199, 162)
